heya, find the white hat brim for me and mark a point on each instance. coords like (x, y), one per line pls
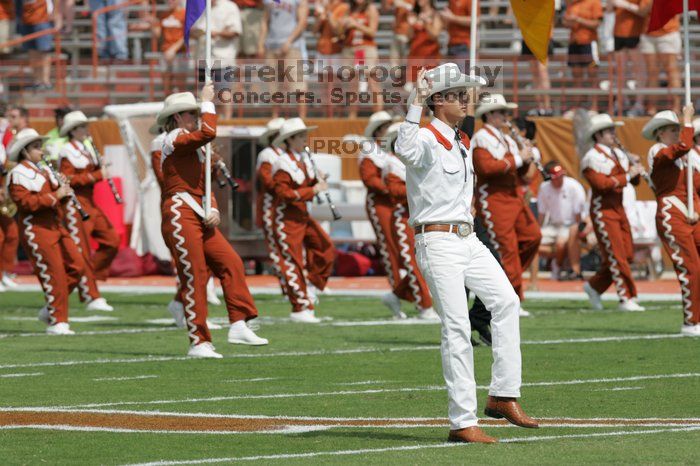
(281, 137)
(374, 125)
(264, 138)
(14, 149)
(596, 128)
(67, 128)
(649, 131)
(174, 109)
(486, 108)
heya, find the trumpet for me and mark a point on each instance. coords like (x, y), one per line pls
(74, 199)
(632, 161)
(334, 210)
(115, 192)
(521, 142)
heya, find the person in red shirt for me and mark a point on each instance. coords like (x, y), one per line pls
(171, 31)
(17, 119)
(583, 18)
(678, 229)
(425, 27)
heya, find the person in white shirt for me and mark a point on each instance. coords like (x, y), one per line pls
(440, 184)
(561, 207)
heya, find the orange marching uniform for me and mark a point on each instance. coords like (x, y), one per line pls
(511, 225)
(57, 262)
(193, 245)
(9, 232)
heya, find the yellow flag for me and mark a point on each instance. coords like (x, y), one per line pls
(535, 19)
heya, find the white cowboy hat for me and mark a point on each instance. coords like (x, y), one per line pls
(71, 121)
(375, 121)
(289, 128)
(445, 77)
(272, 127)
(661, 119)
(391, 134)
(696, 126)
(21, 140)
(491, 102)
(176, 103)
(600, 122)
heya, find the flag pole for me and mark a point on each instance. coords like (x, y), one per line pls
(686, 54)
(207, 80)
(472, 37)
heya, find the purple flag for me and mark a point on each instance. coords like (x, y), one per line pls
(193, 10)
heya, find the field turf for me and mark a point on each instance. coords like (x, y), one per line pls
(612, 387)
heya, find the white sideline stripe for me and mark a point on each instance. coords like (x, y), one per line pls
(136, 377)
(93, 332)
(68, 427)
(258, 379)
(618, 389)
(24, 374)
(332, 352)
(364, 382)
(354, 392)
(414, 447)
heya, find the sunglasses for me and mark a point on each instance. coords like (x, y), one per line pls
(456, 96)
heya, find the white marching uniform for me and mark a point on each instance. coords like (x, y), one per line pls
(440, 186)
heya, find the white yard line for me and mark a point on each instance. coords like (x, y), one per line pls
(364, 382)
(416, 447)
(24, 374)
(116, 379)
(618, 389)
(67, 427)
(257, 379)
(92, 332)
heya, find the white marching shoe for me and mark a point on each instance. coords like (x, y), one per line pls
(524, 313)
(99, 304)
(593, 297)
(212, 326)
(630, 306)
(305, 317)
(393, 302)
(45, 315)
(691, 330)
(428, 314)
(60, 328)
(241, 334)
(212, 297)
(8, 282)
(177, 310)
(312, 293)
(203, 351)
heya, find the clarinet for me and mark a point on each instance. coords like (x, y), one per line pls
(644, 174)
(115, 192)
(334, 210)
(520, 141)
(227, 174)
(74, 199)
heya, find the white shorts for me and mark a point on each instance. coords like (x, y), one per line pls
(668, 43)
(554, 233)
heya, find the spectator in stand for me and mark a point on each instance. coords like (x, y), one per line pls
(66, 14)
(37, 15)
(171, 31)
(225, 29)
(561, 207)
(583, 18)
(111, 31)
(629, 25)
(661, 48)
(55, 141)
(18, 118)
(358, 25)
(329, 45)
(398, 50)
(457, 17)
(252, 13)
(425, 27)
(282, 42)
(7, 16)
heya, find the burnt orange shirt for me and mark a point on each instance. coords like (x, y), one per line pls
(328, 41)
(401, 26)
(248, 3)
(35, 12)
(459, 34)
(355, 37)
(587, 9)
(628, 24)
(7, 9)
(172, 28)
(423, 45)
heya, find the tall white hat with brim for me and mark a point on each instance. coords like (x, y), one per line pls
(696, 126)
(289, 128)
(492, 102)
(376, 120)
(600, 122)
(391, 134)
(661, 119)
(21, 140)
(71, 121)
(176, 103)
(271, 128)
(445, 77)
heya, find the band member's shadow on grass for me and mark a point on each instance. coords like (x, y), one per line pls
(437, 435)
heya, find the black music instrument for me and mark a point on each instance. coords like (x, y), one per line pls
(73, 198)
(227, 174)
(334, 210)
(632, 161)
(521, 142)
(113, 187)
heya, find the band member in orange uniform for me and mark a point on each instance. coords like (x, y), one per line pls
(264, 203)
(499, 164)
(679, 229)
(299, 236)
(379, 206)
(57, 261)
(9, 233)
(412, 286)
(191, 234)
(608, 170)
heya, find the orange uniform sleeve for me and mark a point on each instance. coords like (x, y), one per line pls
(284, 188)
(156, 156)
(78, 180)
(397, 187)
(486, 166)
(267, 183)
(186, 144)
(29, 201)
(670, 153)
(605, 183)
(371, 176)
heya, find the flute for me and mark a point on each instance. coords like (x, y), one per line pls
(115, 192)
(520, 141)
(74, 199)
(632, 161)
(334, 210)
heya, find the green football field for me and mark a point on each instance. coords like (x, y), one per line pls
(609, 387)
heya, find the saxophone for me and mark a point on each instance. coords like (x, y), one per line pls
(7, 207)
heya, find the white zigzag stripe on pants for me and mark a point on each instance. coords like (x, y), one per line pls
(269, 237)
(483, 200)
(186, 271)
(404, 250)
(614, 268)
(677, 260)
(43, 268)
(75, 236)
(381, 239)
(291, 277)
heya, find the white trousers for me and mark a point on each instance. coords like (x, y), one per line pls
(449, 263)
